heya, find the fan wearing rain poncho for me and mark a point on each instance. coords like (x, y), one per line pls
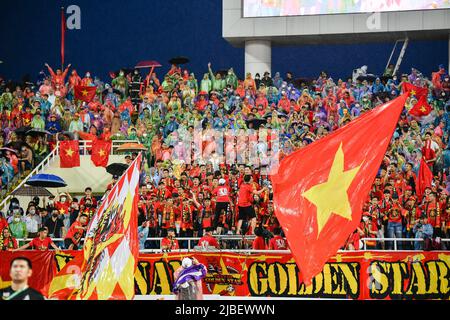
(188, 280)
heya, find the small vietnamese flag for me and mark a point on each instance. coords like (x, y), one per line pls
(424, 179)
(421, 108)
(100, 152)
(69, 154)
(85, 93)
(320, 190)
(413, 90)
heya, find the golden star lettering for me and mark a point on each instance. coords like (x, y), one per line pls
(331, 196)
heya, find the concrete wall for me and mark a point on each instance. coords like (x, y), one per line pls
(86, 175)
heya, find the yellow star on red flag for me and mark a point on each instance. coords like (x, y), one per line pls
(331, 196)
(84, 92)
(70, 152)
(102, 153)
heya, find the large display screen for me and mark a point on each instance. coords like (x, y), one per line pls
(281, 8)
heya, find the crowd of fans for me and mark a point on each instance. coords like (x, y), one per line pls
(213, 197)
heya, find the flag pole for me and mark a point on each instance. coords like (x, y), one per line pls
(63, 33)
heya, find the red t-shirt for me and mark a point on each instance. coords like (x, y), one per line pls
(222, 194)
(74, 233)
(245, 195)
(208, 241)
(167, 243)
(277, 243)
(39, 244)
(259, 244)
(63, 207)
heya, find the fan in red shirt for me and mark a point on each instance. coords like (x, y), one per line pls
(187, 219)
(223, 200)
(170, 214)
(41, 242)
(208, 240)
(170, 243)
(277, 242)
(75, 233)
(245, 199)
(62, 202)
(7, 241)
(88, 195)
(368, 229)
(259, 243)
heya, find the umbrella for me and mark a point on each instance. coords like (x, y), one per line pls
(179, 60)
(32, 192)
(8, 149)
(22, 130)
(36, 132)
(148, 64)
(131, 146)
(116, 169)
(369, 77)
(68, 134)
(46, 180)
(256, 122)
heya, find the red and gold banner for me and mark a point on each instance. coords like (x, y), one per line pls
(349, 275)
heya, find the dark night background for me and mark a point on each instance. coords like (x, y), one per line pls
(117, 33)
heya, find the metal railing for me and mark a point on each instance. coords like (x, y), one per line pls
(85, 145)
(224, 238)
(394, 241)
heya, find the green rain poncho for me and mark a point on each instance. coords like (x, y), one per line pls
(206, 84)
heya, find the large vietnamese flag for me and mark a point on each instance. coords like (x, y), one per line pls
(105, 270)
(319, 190)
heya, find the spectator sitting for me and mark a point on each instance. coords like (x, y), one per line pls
(7, 241)
(278, 242)
(169, 243)
(208, 241)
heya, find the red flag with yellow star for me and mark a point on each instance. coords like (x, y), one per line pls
(413, 90)
(100, 152)
(421, 108)
(85, 93)
(69, 154)
(319, 190)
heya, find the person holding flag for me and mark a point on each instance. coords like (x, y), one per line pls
(188, 279)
